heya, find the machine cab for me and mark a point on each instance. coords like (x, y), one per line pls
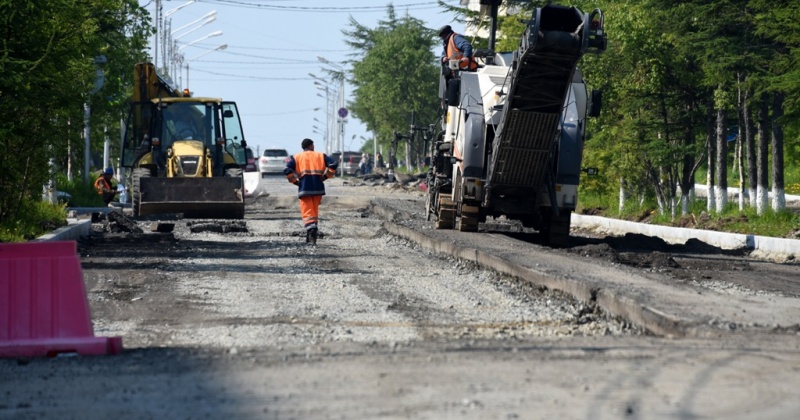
(205, 123)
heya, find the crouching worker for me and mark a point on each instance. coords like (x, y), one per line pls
(104, 187)
(308, 170)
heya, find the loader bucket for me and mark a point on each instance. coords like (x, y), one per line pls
(196, 198)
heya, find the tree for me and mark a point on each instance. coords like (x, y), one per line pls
(395, 73)
(48, 69)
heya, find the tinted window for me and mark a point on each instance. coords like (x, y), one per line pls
(275, 153)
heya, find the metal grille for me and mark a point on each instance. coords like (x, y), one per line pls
(190, 164)
(522, 155)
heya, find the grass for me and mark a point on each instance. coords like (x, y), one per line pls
(783, 224)
(35, 219)
(791, 179)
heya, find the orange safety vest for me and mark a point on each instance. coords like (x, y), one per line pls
(454, 53)
(101, 185)
(310, 164)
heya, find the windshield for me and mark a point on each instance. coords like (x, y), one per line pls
(188, 121)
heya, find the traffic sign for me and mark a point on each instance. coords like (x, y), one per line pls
(342, 112)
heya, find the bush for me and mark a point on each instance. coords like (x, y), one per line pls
(36, 219)
(83, 195)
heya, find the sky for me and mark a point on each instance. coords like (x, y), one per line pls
(272, 46)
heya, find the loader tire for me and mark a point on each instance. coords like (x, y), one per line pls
(136, 196)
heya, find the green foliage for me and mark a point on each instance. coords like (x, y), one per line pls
(36, 219)
(394, 73)
(48, 65)
(82, 194)
(772, 224)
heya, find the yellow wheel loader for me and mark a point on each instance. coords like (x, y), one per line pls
(185, 153)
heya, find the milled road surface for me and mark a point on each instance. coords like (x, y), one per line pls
(371, 325)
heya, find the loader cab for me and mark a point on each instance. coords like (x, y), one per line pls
(187, 121)
(156, 127)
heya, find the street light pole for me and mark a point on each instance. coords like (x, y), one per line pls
(208, 17)
(330, 111)
(341, 119)
(327, 114)
(212, 34)
(164, 32)
(176, 58)
(220, 48)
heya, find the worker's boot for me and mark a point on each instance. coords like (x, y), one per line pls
(313, 233)
(308, 235)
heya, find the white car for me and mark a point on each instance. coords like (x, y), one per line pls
(273, 161)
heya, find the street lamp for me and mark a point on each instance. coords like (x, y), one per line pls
(176, 59)
(341, 108)
(220, 48)
(208, 17)
(329, 112)
(212, 34)
(160, 28)
(169, 12)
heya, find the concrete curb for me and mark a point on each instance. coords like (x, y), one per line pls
(773, 248)
(72, 232)
(614, 302)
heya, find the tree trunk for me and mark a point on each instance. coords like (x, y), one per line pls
(722, 162)
(687, 171)
(750, 149)
(763, 148)
(69, 155)
(740, 133)
(711, 159)
(622, 195)
(778, 191)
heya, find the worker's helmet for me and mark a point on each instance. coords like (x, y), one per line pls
(445, 30)
(109, 171)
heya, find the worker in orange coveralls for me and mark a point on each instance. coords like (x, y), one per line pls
(104, 187)
(308, 170)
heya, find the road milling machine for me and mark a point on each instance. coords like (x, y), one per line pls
(185, 154)
(513, 130)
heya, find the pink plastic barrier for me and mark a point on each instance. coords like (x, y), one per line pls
(43, 305)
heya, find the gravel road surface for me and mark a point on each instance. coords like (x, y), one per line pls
(368, 324)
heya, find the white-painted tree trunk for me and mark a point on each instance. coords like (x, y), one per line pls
(762, 200)
(778, 199)
(711, 202)
(721, 198)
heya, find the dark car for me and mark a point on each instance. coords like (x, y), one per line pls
(250, 165)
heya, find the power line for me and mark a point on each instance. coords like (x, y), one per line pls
(249, 77)
(322, 9)
(299, 111)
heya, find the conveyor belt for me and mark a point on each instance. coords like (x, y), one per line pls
(540, 83)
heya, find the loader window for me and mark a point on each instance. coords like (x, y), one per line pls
(187, 121)
(232, 130)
